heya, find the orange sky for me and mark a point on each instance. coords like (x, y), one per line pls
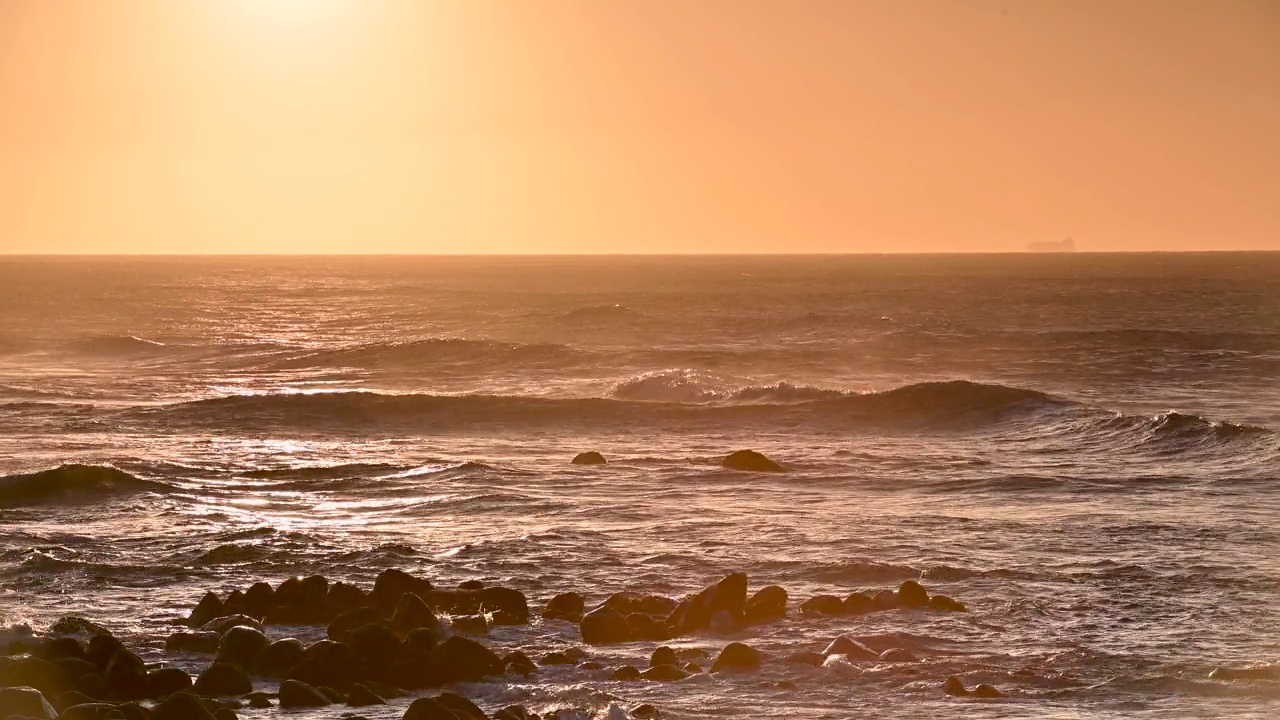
(462, 126)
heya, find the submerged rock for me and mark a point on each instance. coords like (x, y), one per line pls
(297, 694)
(729, 596)
(737, 657)
(912, 594)
(565, 606)
(822, 605)
(605, 626)
(750, 461)
(768, 604)
(589, 458)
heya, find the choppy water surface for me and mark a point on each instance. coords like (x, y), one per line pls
(1082, 448)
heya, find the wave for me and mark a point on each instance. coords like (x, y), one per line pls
(72, 484)
(116, 345)
(693, 386)
(432, 352)
(601, 313)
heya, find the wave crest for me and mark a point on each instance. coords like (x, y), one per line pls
(72, 484)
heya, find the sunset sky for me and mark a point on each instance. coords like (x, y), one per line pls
(547, 126)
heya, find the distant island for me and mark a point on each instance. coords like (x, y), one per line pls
(1068, 245)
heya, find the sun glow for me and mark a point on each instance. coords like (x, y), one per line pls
(295, 13)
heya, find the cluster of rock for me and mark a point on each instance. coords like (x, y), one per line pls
(745, 460)
(909, 595)
(392, 640)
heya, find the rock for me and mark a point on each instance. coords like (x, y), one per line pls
(421, 642)
(361, 696)
(664, 656)
(625, 673)
(645, 712)
(298, 694)
(92, 711)
(226, 622)
(884, 600)
(952, 686)
(557, 658)
(412, 613)
(459, 659)
(209, 608)
(664, 673)
(692, 668)
(737, 657)
(343, 597)
(60, 647)
(345, 622)
(225, 713)
(76, 668)
(328, 663)
(806, 658)
(335, 696)
(258, 600)
(504, 605)
(986, 691)
(750, 461)
(301, 601)
(912, 594)
(375, 646)
(767, 605)
(76, 625)
(278, 658)
(591, 457)
(461, 706)
(513, 712)
(629, 603)
(258, 700)
(520, 664)
(70, 699)
(223, 679)
(851, 649)
(822, 605)
(898, 655)
(728, 595)
(241, 646)
(181, 706)
(93, 684)
(428, 709)
(26, 702)
(647, 627)
(200, 641)
(470, 624)
(166, 681)
(126, 675)
(946, 604)
(604, 626)
(383, 691)
(471, 585)
(392, 583)
(32, 672)
(565, 606)
(857, 603)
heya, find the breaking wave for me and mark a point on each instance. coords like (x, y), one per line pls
(431, 352)
(72, 484)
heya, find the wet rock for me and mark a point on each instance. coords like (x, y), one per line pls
(343, 597)
(76, 625)
(92, 711)
(952, 686)
(26, 702)
(664, 673)
(629, 603)
(504, 606)
(460, 659)
(898, 655)
(625, 673)
(471, 585)
(470, 624)
(851, 649)
(812, 659)
(645, 712)
(557, 658)
(298, 694)
(223, 679)
(591, 457)
(428, 709)
(946, 604)
(258, 600)
(345, 622)
(278, 658)
(76, 668)
(647, 627)
(258, 700)
(664, 656)
(200, 641)
(335, 696)
(565, 606)
(46, 677)
(513, 712)
(92, 684)
(241, 645)
(605, 626)
(69, 699)
(226, 622)
(412, 613)
(822, 605)
(986, 691)
(884, 600)
(461, 706)
(375, 646)
(166, 681)
(729, 595)
(181, 706)
(392, 583)
(591, 665)
(768, 604)
(62, 647)
(517, 663)
(750, 461)
(383, 691)
(328, 663)
(225, 713)
(209, 608)
(737, 657)
(912, 594)
(421, 642)
(692, 668)
(857, 603)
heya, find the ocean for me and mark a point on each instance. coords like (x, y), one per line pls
(1081, 448)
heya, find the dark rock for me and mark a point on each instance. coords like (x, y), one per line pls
(134, 711)
(505, 605)
(69, 699)
(32, 672)
(470, 624)
(664, 656)
(181, 706)
(952, 686)
(647, 627)
(557, 658)
(278, 658)
(912, 594)
(750, 461)
(461, 706)
(61, 647)
(898, 655)
(258, 700)
(383, 691)
(986, 691)
(822, 605)
(729, 595)
(76, 668)
(884, 600)
(259, 599)
(200, 641)
(166, 681)
(225, 713)
(591, 457)
(767, 605)
(692, 668)
(298, 694)
(605, 626)
(737, 657)
(328, 663)
(412, 613)
(223, 679)
(76, 625)
(459, 659)
(241, 646)
(629, 603)
(209, 608)
(26, 702)
(375, 646)
(91, 711)
(591, 665)
(421, 641)
(851, 649)
(565, 606)
(645, 712)
(392, 583)
(345, 622)
(235, 603)
(470, 585)
(664, 673)
(946, 604)
(361, 696)
(806, 658)
(335, 696)
(428, 709)
(520, 664)
(344, 598)
(226, 622)
(301, 601)
(513, 712)
(625, 673)
(857, 603)
(92, 684)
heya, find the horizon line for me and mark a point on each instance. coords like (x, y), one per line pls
(625, 254)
